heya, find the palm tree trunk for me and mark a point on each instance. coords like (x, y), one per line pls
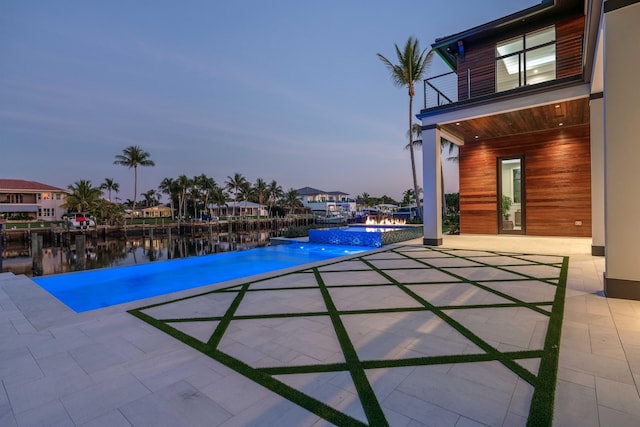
(135, 188)
(413, 157)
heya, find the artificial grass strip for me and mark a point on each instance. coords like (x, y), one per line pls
(542, 402)
(216, 337)
(319, 408)
(467, 333)
(489, 289)
(368, 399)
(541, 407)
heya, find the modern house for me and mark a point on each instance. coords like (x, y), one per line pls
(326, 201)
(544, 106)
(20, 199)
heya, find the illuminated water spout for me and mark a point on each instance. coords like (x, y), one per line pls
(385, 221)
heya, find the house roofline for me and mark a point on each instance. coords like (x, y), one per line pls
(447, 47)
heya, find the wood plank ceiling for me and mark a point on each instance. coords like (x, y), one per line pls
(551, 116)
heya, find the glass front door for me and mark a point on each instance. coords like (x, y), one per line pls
(511, 206)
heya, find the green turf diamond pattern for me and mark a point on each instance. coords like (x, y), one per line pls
(384, 338)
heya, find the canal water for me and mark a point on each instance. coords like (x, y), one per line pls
(101, 253)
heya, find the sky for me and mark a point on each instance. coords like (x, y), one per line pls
(285, 90)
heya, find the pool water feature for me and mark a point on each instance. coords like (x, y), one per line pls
(365, 235)
(89, 290)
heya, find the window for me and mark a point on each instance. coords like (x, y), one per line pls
(526, 60)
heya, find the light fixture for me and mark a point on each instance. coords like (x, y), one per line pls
(457, 123)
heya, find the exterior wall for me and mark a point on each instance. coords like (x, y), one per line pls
(43, 206)
(557, 182)
(622, 150)
(480, 58)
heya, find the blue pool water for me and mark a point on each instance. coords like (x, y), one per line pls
(89, 290)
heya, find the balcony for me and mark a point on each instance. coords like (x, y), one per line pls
(510, 74)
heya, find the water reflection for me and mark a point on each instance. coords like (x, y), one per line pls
(100, 253)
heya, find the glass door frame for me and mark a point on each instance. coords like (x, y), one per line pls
(523, 198)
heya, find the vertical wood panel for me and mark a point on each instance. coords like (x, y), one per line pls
(558, 182)
(480, 58)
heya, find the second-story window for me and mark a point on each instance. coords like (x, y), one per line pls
(526, 60)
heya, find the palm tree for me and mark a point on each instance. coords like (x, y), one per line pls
(151, 198)
(261, 191)
(195, 195)
(291, 200)
(83, 196)
(412, 64)
(109, 184)
(219, 197)
(444, 144)
(168, 186)
(275, 192)
(236, 183)
(207, 186)
(182, 183)
(132, 157)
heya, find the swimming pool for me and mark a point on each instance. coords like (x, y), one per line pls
(363, 235)
(89, 290)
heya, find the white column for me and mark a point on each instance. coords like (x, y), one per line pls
(597, 175)
(431, 186)
(622, 149)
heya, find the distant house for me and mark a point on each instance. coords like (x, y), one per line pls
(239, 209)
(20, 199)
(326, 201)
(155, 212)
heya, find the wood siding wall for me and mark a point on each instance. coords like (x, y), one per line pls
(557, 182)
(480, 59)
(480, 63)
(569, 47)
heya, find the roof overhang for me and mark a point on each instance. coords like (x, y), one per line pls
(448, 47)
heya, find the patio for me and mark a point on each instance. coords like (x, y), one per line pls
(406, 335)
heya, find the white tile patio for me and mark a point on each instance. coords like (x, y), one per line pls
(108, 368)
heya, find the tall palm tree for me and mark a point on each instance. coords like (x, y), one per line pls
(261, 192)
(218, 197)
(109, 184)
(445, 144)
(412, 64)
(168, 186)
(291, 200)
(275, 193)
(132, 157)
(206, 185)
(83, 196)
(182, 183)
(236, 184)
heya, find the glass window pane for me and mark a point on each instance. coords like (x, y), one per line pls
(509, 46)
(540, 37)
(541, 64)
(507, 73)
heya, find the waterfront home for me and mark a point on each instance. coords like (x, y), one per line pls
(244, 208)
(547, 134)
(326, 202)
(20, 199)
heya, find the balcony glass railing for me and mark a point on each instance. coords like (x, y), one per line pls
(470, 83)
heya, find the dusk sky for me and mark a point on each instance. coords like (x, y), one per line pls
(285, 90)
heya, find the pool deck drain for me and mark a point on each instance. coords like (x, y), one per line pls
(403, 336)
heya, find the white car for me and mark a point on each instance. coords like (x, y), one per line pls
(80, 220)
